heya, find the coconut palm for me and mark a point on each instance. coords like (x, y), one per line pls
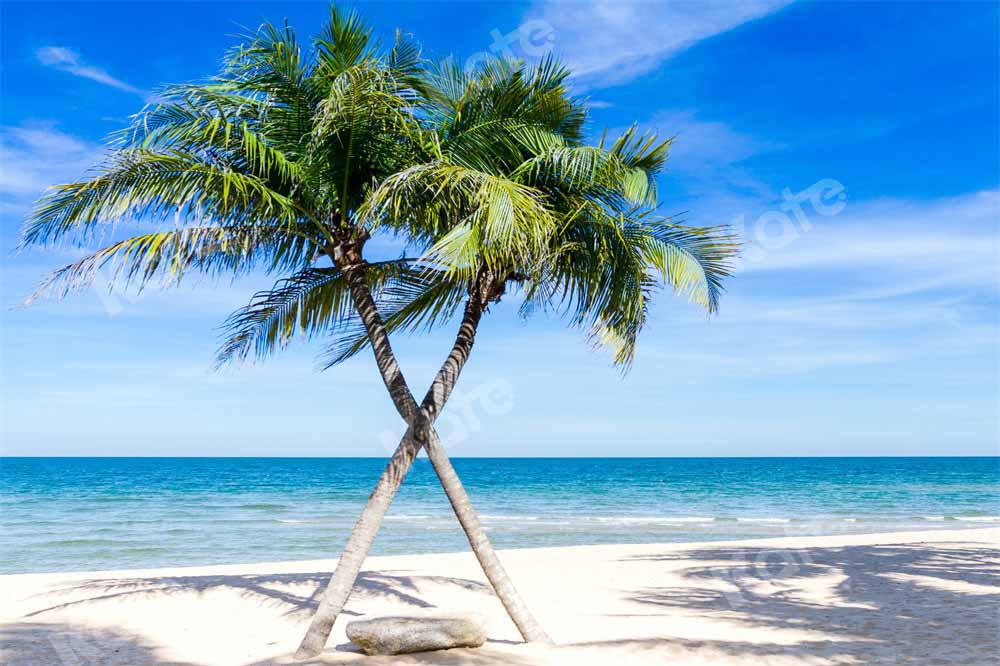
(286, 160)
(266, 167)
(497, 153)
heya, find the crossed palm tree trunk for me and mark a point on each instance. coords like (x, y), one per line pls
(420, 433)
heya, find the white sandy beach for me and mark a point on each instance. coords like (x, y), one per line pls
(902, 598)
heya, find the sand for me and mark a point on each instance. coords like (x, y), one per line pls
(903, 598)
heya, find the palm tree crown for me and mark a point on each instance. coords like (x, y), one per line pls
(285, 158)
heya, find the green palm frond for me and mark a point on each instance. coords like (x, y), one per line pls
(590, 172)
(499, 222)
(159, 185)
(358, 131)
(496, 145)
(643, 156)
(644, 151)
(605, 269)
(456, 101)
(693, 261)
(405, 61)
(311, 302)
(415, 300)
(217, 132)
(270, 63)
(344, 43)
(170, 255)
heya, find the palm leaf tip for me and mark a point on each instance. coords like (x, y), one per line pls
(694, 261)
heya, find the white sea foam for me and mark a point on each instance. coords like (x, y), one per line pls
(486, 516)
(933, 518)
(850, 520)
(655, 520)
(406, 516)
(978, 519)
(763, 520)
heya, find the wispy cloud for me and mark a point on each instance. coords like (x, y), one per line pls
(36, 155)
(706, 169)
(932, 243)
(905, 284)
(67, 60)
(706, 156)
(701, 144)
(611, 42)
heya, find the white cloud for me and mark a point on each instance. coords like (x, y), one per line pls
(66, 60)
(37, 155)
(607, 43)
(924, 245)
(830, 314)
(702, 145)
(705, 167)
(902, 283)
(775, 359)
(705, 158)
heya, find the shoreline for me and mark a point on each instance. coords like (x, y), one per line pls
(816, 541)
(912, 597)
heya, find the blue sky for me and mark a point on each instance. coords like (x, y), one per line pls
(854, 145)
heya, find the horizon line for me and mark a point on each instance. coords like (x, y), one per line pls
(423, 457)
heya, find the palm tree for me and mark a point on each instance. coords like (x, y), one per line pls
(268, 165)
(505, 142)
(287, 159)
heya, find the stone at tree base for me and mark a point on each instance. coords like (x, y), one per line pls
(402, 634)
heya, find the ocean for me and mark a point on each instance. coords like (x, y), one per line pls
(74, 514)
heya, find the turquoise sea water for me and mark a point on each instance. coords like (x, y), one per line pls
(59, 514)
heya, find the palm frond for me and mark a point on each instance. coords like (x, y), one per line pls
(416, 300)
(158, 184)
(605, 268)
(213, 130)
(693, 261)
(311, 302)
(344, 43)
(405, 61)
(170, 255)
(270, 63)
(500, 222)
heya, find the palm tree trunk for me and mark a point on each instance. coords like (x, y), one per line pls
(366, 529)
(392, 376)
(364, 532)
(529, 628)
(431, 406)
(356, 550)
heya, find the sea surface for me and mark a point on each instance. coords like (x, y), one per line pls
(76, 514)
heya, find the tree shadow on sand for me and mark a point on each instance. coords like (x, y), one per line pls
(66, 644)
(61, 644)
(891, 604)
(39, 642)
(274, 589)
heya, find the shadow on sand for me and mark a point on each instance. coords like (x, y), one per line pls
(65, 644)
(39, 642)
(889, 604)
(266, 588)
(62, 644)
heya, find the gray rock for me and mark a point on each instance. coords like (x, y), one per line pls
(402, 634)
